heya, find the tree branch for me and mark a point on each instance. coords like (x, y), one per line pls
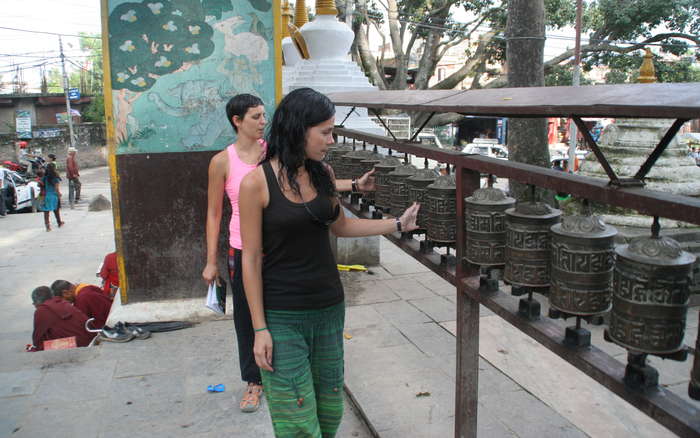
(469, 66)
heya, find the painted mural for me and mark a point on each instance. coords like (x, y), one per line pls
(175, 64)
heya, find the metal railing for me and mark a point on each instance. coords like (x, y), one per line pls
(660, 404)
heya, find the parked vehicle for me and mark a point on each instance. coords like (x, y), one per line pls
(487, 147)
(20, 194)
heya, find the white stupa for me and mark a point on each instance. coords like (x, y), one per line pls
(329, 67)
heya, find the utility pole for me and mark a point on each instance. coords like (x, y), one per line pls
(65, 92)
(573, 132)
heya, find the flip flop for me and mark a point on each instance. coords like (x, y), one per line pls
(216, 388)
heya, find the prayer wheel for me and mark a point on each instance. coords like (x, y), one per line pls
(528, 243)
(417, 190)
(442, 210)
(694, 385)
(650, 295)
(485, 216)
(382, 196)
(352, 161)
(334, 157)
(582, 262)
(366, 165)
(398, 187)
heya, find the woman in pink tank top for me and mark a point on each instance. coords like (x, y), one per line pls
(226, 170)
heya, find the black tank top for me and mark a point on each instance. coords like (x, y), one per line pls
(299, 270)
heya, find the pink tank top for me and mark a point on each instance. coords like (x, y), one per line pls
(237, 170)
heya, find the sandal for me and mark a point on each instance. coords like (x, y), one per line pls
(251, 398)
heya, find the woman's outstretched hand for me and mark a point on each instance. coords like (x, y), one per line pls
(408, 218)
(366, 182)
(262, 350)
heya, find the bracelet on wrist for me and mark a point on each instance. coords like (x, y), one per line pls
(354, 186)
(398, 225)
(260, 329)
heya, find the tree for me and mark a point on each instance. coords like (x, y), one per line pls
(426, 29)
(525, 30)
(95, 112)
(91, 68)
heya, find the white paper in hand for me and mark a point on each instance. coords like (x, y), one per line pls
(212, 300)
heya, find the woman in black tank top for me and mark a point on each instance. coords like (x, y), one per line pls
(290, 277)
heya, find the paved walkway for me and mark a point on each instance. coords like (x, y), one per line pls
(400, 359)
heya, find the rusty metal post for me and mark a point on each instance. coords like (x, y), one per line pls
(467, 377)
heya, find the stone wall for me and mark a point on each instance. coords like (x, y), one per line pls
(53, 139)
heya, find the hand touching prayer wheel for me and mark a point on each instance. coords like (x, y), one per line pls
(417, 190)
(399, 188)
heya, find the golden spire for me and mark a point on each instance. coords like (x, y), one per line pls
(326, 7)
(647, 73)
(301, 17)
(287, 16)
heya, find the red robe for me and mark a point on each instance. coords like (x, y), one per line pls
(109, 272)
(57, 318)
(94, 304)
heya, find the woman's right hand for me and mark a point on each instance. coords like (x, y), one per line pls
(262, 350)
(210, 273)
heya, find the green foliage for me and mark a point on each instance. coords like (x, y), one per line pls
(95, 112)
(563, 75)
(625, 69)
(148, 40)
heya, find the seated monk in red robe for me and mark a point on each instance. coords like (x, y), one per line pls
(88, 298)
(56, 318)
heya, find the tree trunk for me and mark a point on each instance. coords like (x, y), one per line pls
(527, 138)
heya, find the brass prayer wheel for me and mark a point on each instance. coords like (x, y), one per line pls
(650, 295)
(366, 165)
(399, 188)
(382, 196)
(583, 258)
(528, 243)
(485, 217)
(334, 157)
(417, 190)
(352, 161)
(442, 210)
(694, 385)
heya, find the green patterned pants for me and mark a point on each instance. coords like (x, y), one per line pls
(305, 392)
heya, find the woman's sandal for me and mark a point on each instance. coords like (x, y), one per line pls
(60, 224)
(251, 398)
(48, 227)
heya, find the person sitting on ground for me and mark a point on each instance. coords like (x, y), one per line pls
(55, 318)
(109, 272)
(86, 297)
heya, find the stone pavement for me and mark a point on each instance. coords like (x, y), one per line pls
(400, 359)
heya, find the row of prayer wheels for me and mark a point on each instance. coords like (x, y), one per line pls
(573, 260)
(398, 185)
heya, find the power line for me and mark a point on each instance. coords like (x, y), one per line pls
(49, 33)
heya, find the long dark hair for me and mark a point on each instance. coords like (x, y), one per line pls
(300, 110)
(50, 174)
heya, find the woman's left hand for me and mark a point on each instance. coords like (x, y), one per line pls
(409, 217)
(366, 182)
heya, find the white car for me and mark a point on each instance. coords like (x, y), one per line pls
(492, 150)
(20, 194)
